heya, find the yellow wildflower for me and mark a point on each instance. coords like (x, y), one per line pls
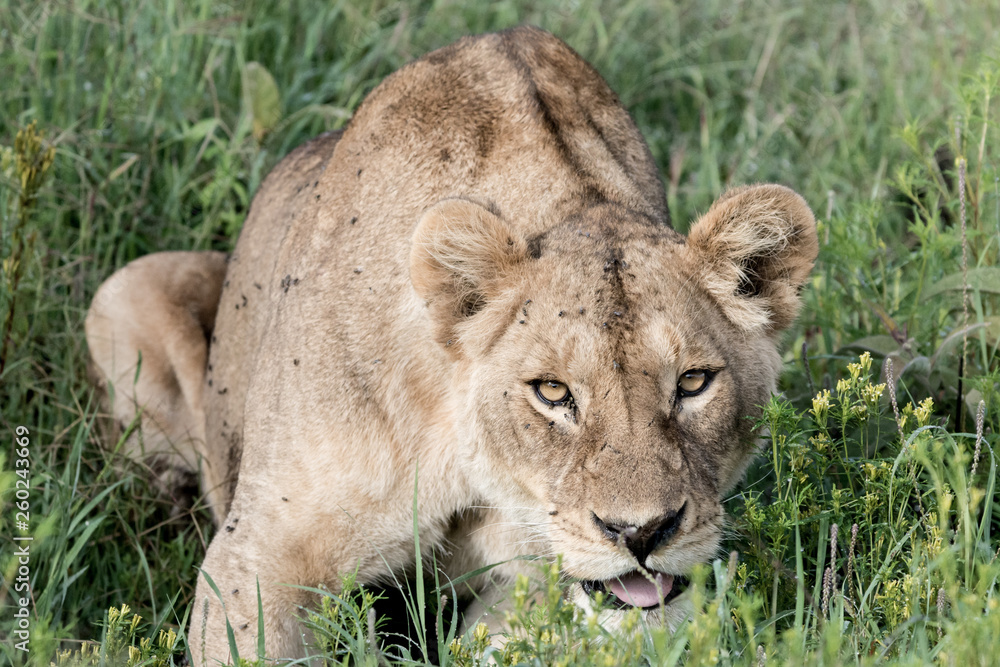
(866, 361)
(821, 407)
(923, 413)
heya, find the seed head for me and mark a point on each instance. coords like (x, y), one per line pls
(980, 418)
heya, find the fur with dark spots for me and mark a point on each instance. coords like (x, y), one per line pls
(535, 246)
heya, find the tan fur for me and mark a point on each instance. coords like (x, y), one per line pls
(491, 217)
(140, 321)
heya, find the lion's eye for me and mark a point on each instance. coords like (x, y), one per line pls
(692, 382)
(552, 392)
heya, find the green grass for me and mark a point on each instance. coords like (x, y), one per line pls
(864, 108)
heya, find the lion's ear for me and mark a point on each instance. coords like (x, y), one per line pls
(755, 248)
(460, 255)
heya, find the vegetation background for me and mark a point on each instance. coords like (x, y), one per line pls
(867, 534)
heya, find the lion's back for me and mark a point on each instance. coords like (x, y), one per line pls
(250, 286)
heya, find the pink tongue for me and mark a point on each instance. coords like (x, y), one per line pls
(639, 591)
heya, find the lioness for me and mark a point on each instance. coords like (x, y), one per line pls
(472, 294)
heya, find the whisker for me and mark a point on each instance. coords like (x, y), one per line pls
(508, 508)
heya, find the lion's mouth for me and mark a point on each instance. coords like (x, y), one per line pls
(635, 589)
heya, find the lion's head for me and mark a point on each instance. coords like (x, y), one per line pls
(610, 369)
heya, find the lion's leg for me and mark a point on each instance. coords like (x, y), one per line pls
(147, 330)
(491, 538)
(281, 554)
(236, 566)
(293, 532)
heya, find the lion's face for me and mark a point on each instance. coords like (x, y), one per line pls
(609, 381)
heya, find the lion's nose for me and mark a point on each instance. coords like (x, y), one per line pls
(642, 540)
